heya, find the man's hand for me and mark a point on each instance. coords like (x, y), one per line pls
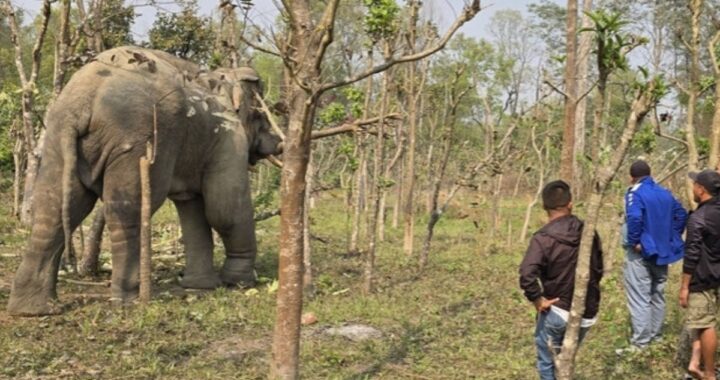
(542, 304)
(684, 294)
(637, 248)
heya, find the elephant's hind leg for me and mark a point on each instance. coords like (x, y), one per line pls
(34, 286)
(197, 236)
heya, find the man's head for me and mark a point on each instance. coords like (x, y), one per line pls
(639, 170)
(706, 184)
(557, 198)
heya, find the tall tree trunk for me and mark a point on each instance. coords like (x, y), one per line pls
(226, 44)
(309, 41)
(62, 42)
(28, 97)
(645, 99)
(412, 96)
(361, 173)
(582, 85)
(567, 155)
(714, 157)
(692, 92)
(379, 179)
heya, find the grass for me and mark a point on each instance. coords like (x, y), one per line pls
(464, 317)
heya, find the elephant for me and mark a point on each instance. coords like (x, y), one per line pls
(206, 129)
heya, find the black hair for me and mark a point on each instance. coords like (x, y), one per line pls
(556, 194)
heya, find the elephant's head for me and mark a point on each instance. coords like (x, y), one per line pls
(243, 86)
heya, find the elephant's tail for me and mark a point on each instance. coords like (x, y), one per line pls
(69, 154)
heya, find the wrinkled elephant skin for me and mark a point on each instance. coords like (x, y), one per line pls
(208, 132)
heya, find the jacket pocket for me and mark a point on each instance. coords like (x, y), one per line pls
(649, 248)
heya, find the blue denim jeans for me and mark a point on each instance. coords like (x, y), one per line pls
(550, 326)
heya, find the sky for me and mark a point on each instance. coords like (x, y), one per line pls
(265, 11)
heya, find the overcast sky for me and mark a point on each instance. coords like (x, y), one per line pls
(265, 11)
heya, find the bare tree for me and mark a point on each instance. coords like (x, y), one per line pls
(303, 53)
(567, 155)
(646, 97)
(693, 90)
(582, 85)
(29, 84)
(714, 157)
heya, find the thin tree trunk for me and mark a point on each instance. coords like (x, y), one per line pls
(567, 155)
(714, 158)
(145, 227)
(397, 156)
(409, 209)
(309, 287)
(400, 189)
(645, 99)
(692, 92)
(359, 196)
(28, 97)
(19, 163)
(541, 181)
(582, 85)
(62, 42)
(379, 185)
(495, 208)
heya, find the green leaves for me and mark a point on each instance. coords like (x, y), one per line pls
(183, 34)
(611, 43)
(381, 21)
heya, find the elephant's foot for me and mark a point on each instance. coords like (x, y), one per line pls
(238, 272)
(124, 296)
(200, 281)
(31, 305)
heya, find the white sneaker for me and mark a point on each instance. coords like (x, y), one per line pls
(632, 349)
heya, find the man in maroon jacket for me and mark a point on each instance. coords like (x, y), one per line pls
(547, 275)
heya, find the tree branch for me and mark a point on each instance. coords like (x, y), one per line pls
(350, 127)
(325, 28)
(468, 13)
(271, 118)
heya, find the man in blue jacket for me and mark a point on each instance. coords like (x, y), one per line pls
(654, 223)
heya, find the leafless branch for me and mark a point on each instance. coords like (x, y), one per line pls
(270, 117)
(468, 13)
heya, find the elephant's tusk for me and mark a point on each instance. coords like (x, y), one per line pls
(275, 161)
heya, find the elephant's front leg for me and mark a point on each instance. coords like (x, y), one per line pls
(240, 248)
(197, 236)
(229, 210)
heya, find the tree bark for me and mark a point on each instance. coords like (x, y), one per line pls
(409, 209)
(714, 157)
(645, 99)
(567, 154)
(145, 227)
(693, 93)
(541, 182)
(309, 41)
(308, 285)
(379, 183)
(28, 84)
(582, 85)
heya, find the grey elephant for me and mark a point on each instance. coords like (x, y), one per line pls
(206, 129)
